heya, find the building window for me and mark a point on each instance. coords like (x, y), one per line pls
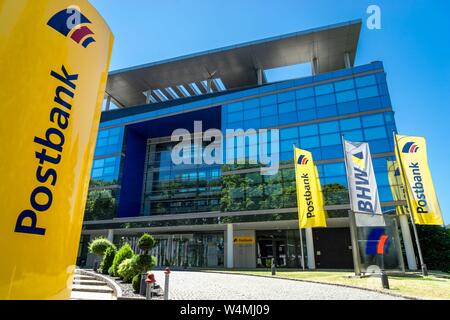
(365, 81)
(329, 127)
(344, 85)
(330, 139)
(368, 92)
(291, 133)
(325, 100)
(324, 89)
(375, 133)
(373, 120)
(309, 130)
(310, 142)
(305, 93)
(235, 107)
(326, 112)
(286, 96)
(306, 115)
(306, 103)
(268, 100)
(346, 96)
(269, 110)
(287, 107)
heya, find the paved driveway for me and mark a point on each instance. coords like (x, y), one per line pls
(186, 285)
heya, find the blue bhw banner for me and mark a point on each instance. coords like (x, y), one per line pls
(363, 190)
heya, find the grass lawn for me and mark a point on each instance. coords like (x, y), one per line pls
(435, 286)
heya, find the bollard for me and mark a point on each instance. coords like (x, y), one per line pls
(143, 285)
(274, 268)
(383, 274)
(384, 279)
(166, 284)
(150, 284)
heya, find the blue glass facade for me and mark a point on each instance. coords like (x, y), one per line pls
(312, 112)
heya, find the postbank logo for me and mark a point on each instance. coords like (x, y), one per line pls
(410, 147)
(302, 160)
(72, 23)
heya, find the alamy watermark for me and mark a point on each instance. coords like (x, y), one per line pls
(374, 20)
(74, 19)
(236, 146)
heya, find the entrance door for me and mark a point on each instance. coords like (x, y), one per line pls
(333, 248)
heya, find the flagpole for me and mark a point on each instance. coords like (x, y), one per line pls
(299, 222)
(301, 248)
(405, 183)
(351, 214)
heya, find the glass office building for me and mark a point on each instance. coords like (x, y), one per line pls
(200, 212)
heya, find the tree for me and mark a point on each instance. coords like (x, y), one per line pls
(100, 205)
(435, 244)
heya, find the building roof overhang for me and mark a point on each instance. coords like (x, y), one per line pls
(236, 66)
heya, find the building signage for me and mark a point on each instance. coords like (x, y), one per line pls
(311, 212)
(412, 155)
(244, 240)
(54, 62)
(364, 199)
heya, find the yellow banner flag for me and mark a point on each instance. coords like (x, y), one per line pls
(54, 60)
(411, 153)
(396, 184)
(311, 212)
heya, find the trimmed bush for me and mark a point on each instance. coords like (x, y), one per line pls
(98, 246)
(108, 259)
(145, 262)
(136, 283)
(146, 242)
(125, 252)
(128, 269)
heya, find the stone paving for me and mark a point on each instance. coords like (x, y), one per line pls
(186, 285)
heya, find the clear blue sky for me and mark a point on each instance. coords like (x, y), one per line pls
(413, 43)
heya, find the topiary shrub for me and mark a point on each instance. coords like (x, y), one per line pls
(146, 242)
(125, 252)
(108, 259)
(98, 246)
(136, 283)
(128, 269)
(145, 262)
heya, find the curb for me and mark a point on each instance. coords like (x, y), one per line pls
(117, 290)
(317, 282)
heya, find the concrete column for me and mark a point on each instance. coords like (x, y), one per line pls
(310, 249)
(315, 66)
(260, 76)
(108, 103)
(230, 246)
(111, 235)
(347, 60)
(407, 242)
(148, 97)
